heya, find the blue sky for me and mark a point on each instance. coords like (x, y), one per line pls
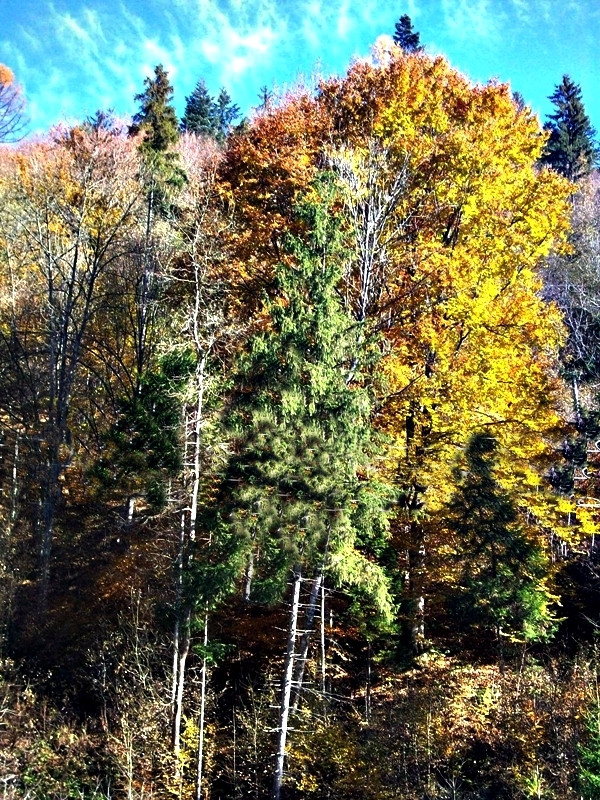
(75, 56)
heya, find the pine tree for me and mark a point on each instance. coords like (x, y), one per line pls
(503, 573)
(406, 37)
(200, 115)
(156, 117)
(571, 149)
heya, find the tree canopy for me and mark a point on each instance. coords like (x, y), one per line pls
(571, 148)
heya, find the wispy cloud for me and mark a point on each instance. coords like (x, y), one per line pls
(75, 56)
(472, 19)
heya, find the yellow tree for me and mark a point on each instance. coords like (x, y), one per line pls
(451, 219)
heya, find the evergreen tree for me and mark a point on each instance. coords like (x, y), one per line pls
(406, 37)
(200, 112)
(589, 761)
(302, 433)
(571, 148)
(207, 117)
(503, 573)
(265, 96)
(226, 113)
(156, 117)
(300, 475)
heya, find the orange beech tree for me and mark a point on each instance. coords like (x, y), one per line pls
(451, 218)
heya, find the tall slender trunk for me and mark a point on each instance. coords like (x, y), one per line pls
(175, 733)
(309, 621)
(49, 505)
(248, 577)
(368, 683)
(200, 759)
(416, 570)
(183, 654)
(182, 647)
(576, 399)
(14, 495)
(323, 652)
(286, 685)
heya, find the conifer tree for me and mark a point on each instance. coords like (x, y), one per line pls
(157, 120)
(405, 35)
(303, 437)
(571, 149)
(503, 572)
(206, 116)
(200, 112)
(156, 117)
(226, 113)
(265, 96)
(302, 430)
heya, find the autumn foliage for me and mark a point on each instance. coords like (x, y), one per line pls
(318, 352)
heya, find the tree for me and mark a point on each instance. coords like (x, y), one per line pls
(503, 571)
(156, 121)
(207, 117)
(570, 149)
(301, 469)
(405, 36)
(71, 205)
(589, 749)
(226, 113)
(265, 95)
(451, 219)
(156, 118)
(12, 107)
(200, 114)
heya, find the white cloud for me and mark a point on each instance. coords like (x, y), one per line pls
(471, 19)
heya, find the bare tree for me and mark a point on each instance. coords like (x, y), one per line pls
(12, 107)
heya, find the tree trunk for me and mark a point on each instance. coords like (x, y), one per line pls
(416, 568)
(286, 685)
(309, 621)
(183, 654)
(177, 633)
(200, 761)
(248, 577)
(323, 653)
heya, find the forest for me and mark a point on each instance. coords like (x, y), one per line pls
(300, 443)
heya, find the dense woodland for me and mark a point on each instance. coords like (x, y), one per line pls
(300, 439)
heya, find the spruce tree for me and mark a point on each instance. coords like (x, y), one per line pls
(209, 117)
(298, 488)
(302, 432)
(503, 572)
(265, 96)
(406, 37)
(200, 115)
(226, 113)
(570, 149)
(156, 117)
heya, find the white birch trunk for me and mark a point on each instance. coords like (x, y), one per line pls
(309, 621)
(200, 760)
(286, 685)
